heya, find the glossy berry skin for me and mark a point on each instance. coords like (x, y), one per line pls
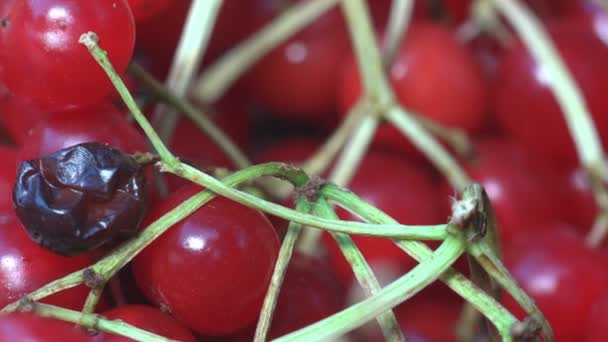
(18, 115)
(211, 270)
(310, 292)
(28, 327)
(403, 190)
(25, 266)
(434, 76)
(40, 39)
(80, 197)
(307, 67)
(563, 277)
(102, 123)
(145, 9)
(596, 329)
(524, 190)
(527, 110)
(8, 170)
(147, 318)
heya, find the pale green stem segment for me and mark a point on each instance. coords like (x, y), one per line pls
(216, 79)
(94, 321)
(398, 21)
(488, 306)
(278, 275)
(429, 146)
(395, 293)
(363, 272)
(221, 139)
(187, 60)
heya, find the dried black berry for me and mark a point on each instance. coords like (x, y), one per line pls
(81, 197)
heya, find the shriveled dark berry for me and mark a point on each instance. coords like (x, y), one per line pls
(80, 197)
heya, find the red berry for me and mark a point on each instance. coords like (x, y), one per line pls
(434, 76)
(102, 123)
(403, 190)
(596, 330)
(43, 60)
(147, 318)
(525, 106)
(211, 270)
(307, 67)
(563, 277)
(8, 171)
(25, 266)
(28, 327)
(145, 9)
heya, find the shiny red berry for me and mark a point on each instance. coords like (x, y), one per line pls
(211, 270)
(28, 327)
(145, 9)
(43, 60)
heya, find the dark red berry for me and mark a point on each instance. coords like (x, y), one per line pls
(147, 318)
(81, 197)
(145, 9)
(596, 330)
(211, 270)
(43, 60)
(28, 327)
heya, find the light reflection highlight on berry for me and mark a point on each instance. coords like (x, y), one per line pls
(10, 265)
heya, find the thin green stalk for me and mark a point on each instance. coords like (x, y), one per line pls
(93, 298)
(90, 40)
(432, 232)
(363, 272)
(67, 282)
(395, 293)
(187, 60)
(96, 322)
(223, 141)
(488, 306)
(280, 267)
(368, 56)
(216, 79)
(431, 148)
(398, 21)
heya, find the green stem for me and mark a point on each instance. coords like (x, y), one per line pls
(93, 298)
(488, 306)
(270, 301)
(368, 56)
(223, 73)
(96, 322)
(363, 272)
(187, 59)
(397, 292)
(67, 282)
(90, 40)
(398, 21)
(223, 141)
(432, 232)
(429, 146)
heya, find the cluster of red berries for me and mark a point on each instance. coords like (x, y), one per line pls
(208, 275)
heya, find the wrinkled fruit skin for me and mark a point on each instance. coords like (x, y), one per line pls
(80, 197)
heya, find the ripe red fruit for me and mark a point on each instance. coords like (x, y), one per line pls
(147, 318)
(524, 105)
(306, 66)
(211, 270)
(43, 60)
(8, 170)
(28, 327)
(145, 9)
(403, 190)
(18, 115)
(102, 123)
(596, 330)
(563, 277)
(434, 76)
(25, 266)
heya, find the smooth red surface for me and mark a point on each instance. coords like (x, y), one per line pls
(211, 270)
(8, 172)
(563, 277)
(18, 115)
(145, 9)
(102, 123)
(25, 266)
(596, 330)
(526, 108)
(28, 327)
(297, 79)
(147, 318)
(434, 76)
(403, 190)
(43, 60)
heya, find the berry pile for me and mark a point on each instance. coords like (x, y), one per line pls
(78, 186)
